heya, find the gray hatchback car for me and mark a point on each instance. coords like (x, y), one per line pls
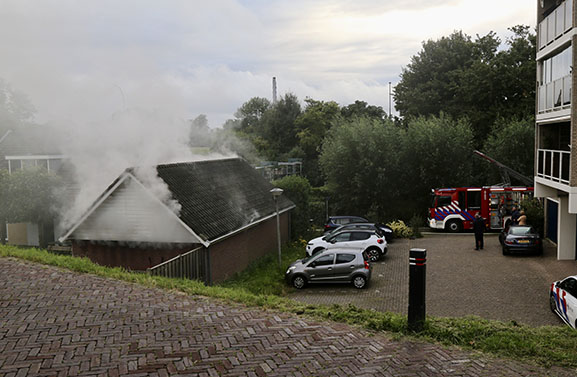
(331, 266)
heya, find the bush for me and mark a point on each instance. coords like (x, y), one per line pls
(400, 229)
(416, 223)
(535, 215)
(297, 189)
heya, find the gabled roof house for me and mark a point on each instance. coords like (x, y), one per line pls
(221, 206)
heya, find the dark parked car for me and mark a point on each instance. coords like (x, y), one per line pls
(386, 230)
(521, 239)
(334, 222)
(331, 266)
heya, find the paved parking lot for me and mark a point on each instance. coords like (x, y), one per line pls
(460, 281)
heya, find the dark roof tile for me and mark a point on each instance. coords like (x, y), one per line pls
(220, 196)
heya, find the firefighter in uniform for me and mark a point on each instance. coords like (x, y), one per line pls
(479, 229)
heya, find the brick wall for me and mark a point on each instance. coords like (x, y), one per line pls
(227, 257)
(114, 254)
(237, 252)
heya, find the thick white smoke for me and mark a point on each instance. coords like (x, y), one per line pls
(101, 151)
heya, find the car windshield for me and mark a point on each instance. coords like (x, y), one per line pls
(520, 230)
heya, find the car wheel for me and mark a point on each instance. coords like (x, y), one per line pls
(505, 252)
(454, 226)
(299, 282)
(374, 254)
(552, 303)
(359, 281)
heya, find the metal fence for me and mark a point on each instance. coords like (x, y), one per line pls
(553, 165)
(190, 265)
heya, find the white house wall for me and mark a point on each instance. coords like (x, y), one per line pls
(131, 214)
(566, 237)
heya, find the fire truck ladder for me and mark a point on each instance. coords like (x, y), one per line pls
(506, 171)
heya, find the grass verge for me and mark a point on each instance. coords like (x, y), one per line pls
(547, 345)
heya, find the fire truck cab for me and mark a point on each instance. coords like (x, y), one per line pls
(454, 209)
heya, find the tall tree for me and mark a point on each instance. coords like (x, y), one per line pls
(363, 109)
(279, 126)
(360, 160)
(15, 108)
(511, 143)
(436, 152)
(470, 78)
(383, 171)
(312, 126)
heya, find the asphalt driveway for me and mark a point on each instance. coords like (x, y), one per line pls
(460, 281)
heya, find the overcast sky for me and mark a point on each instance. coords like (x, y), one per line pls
(86, 59)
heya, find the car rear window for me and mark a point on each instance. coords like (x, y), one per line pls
(345, 258)
(520, 230)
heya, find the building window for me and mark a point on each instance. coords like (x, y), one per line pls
(557, 66)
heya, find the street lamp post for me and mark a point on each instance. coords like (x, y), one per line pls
(276, 192)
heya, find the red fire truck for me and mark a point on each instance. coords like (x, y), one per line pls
(454, 209)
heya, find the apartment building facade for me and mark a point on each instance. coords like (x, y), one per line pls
(556, 122)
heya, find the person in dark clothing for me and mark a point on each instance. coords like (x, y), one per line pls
(515, 215)
(479, 229)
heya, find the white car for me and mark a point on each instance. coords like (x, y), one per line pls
(371, 241)
(563, 300)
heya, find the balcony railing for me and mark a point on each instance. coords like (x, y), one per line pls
(555, 95)
(553, 165)
(556, 24)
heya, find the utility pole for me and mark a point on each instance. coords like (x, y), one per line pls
(390, 100)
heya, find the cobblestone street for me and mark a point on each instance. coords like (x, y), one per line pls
(58, 323)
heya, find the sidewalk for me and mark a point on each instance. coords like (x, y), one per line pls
(59, 323)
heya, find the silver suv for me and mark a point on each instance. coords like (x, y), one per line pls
(331, 266)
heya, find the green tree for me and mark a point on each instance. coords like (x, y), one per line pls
(280, 133)
(511, 143)
(200, 134)
(360, 160)
(29, 196)
(297, 189)
(250, 115)
(363, 109)
(377, 169)
(436, 152)
(312, 126)
(470, 78)
(15, 108)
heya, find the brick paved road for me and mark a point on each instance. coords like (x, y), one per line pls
(460, 281)
(59, 323)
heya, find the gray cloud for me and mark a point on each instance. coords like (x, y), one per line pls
(86, 60)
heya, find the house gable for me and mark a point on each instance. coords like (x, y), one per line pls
(131, 214)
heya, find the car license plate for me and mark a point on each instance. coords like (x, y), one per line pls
(524, 241)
